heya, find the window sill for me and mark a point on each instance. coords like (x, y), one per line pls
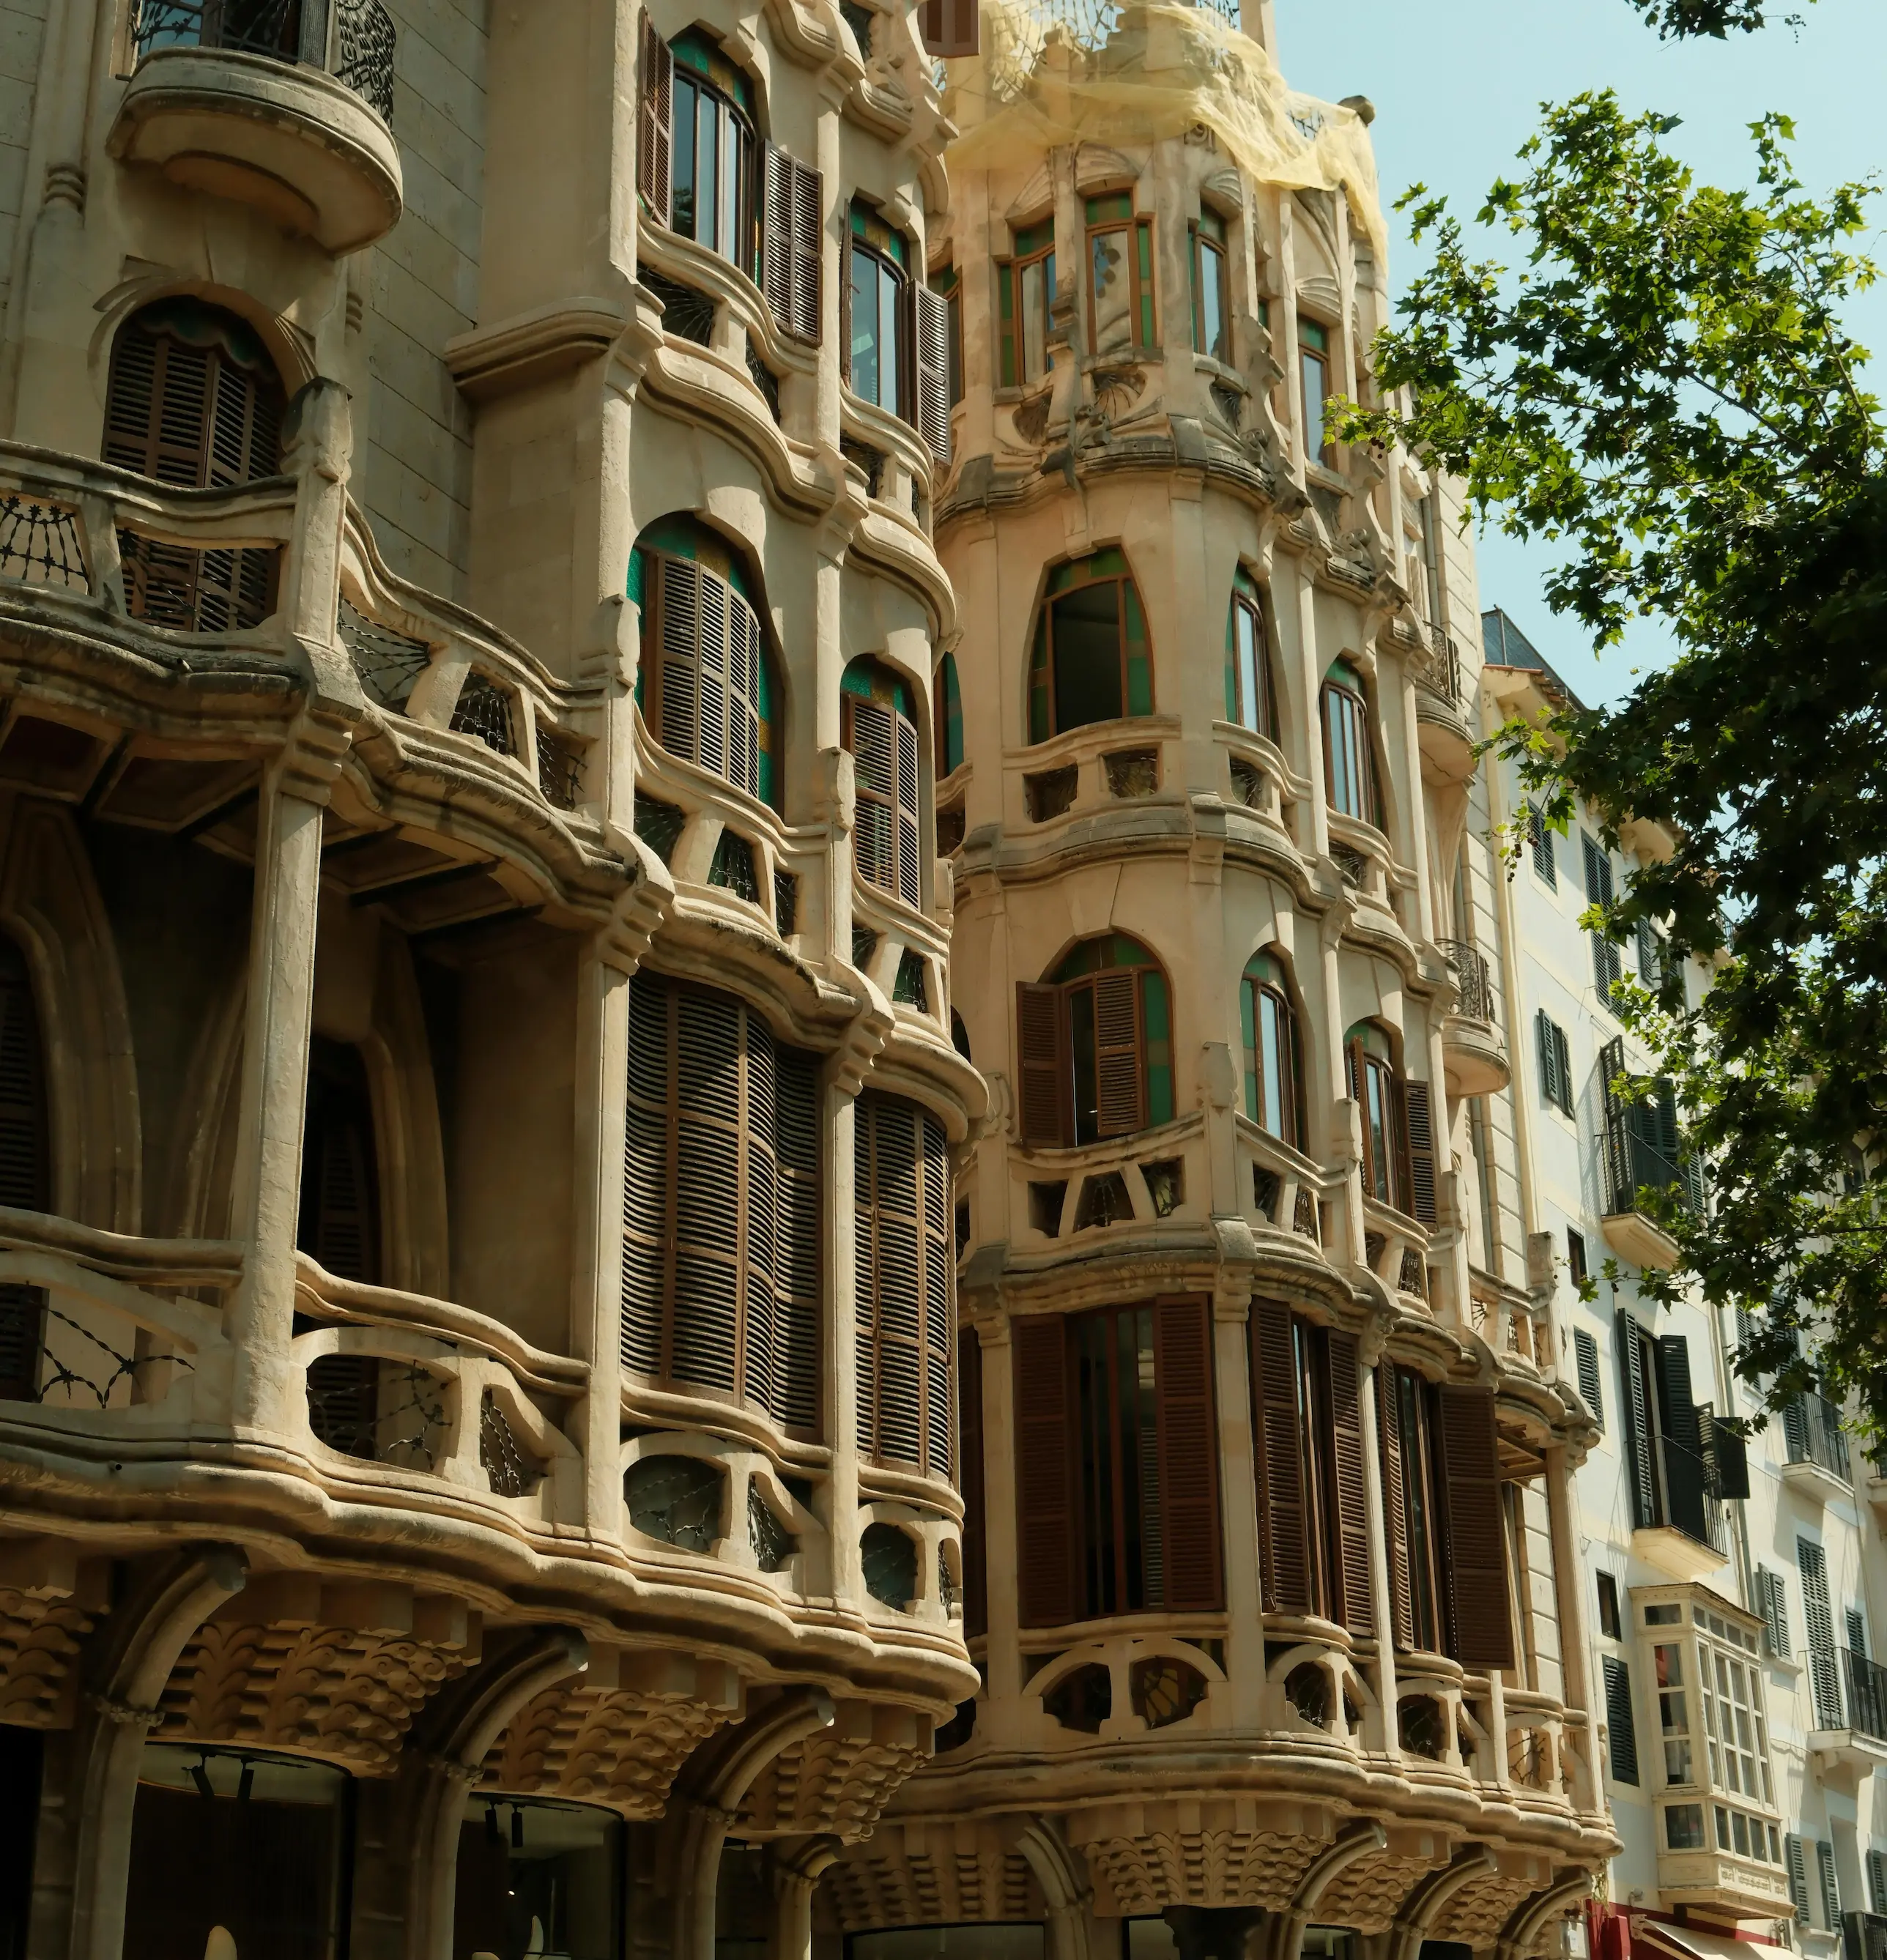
(1110, 1152)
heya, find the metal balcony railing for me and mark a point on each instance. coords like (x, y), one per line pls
(352, 39)
(1441, 676)
(1866, 1694)
(1863, 1936)
(1690, 1503)
(1633, 1161)
(1812, 1428)
(1473, 982)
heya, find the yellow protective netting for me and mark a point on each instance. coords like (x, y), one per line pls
(1053, 73)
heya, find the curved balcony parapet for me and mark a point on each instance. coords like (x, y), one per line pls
(287, 112)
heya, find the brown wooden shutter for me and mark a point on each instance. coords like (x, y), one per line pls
(931, 336)
(1044, 1509)
(969, 1481)
(1396, 1471)
(26, 1181)
(711, 1195)
(807, 227)
(338, 1223)
(654, 172)
(158, 406)
(1282, 1521)
(1353, 1606)
(1119, 1067)
(1418, 1125)
(949, 27)
(908, 887)
(889, 1290)
(1188, 1456)
(776, 232)
(797, 1266)
(870, 733)
(1480, 1626)
(648, 1179)
(1046, 1087)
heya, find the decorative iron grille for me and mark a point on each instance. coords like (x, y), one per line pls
(484, 709)
(39, 544)
(388, 664)
(509, 1471)
(786, 903)
(1133, 772)
(869, 462)
(559, 772)
(732, 867)
(1267, 1187)
(686, 314)
(911, 988)
(364, 41)
(380, 1411)
(1474, 986)
(271, 27)
(86, 1368)
(773, 1543)
(864, 945)
(765, 379)
(660, 826)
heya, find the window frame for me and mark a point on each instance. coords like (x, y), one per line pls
(1248, 607)
(1255, 989)
(1142, 294)
(885, 850)
(894, 279)
(947, 282)
(1208, 240)
(1151, 1007)
(1349, 698)
(743, 126)
(1044, 722)
(1030, 246)
(1315, 352)
(1385, 1166)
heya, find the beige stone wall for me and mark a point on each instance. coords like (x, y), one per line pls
(421, 286)
(22, 35)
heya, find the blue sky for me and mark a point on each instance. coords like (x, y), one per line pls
(1457, 86)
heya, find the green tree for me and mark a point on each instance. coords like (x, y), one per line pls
(1663, 386)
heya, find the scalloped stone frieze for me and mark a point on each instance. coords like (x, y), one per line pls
(617, 1734)
(1368, 1895)
(838, 1781)
(1475, 1915)
(932, 1874)
(49, 1601)
(337, 1671)
(1144, 1858)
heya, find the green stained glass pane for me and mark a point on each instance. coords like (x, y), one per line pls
(1111, 563)
(1037, 238)
(1148, 337)
(1006, 309)
(1039, 683)
(639, 575)
(1341, 671)
(1159, 1048)
(1105, 210)
(1212, 224)
(953, 715)
(1242, 581)
(1139, 685)
(1312, 334)
(1136, 619)
(1262, 966)
(1231, 669)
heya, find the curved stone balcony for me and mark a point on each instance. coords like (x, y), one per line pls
(295, 143)
(1444, 727)
(1474, 1049)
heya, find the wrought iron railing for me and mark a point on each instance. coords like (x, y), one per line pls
(1634, 1163)
(1474, 985)
(1689, 1504)
(1866, 1694)
(353, 39)
(1812, 1428)
(1441, 675)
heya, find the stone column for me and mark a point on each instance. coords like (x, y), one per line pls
(1003, 1649)
(1238, 1489)
(267, 1194)
(1381, 1605)
(795, 1872)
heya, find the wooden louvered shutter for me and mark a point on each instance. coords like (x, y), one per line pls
(1353, 1606)
(969, 1481)
(809, 209)
(1480, 1630)
(26, 1181)
(1045, 1089)
(930, 337)
(1684, 1489)
(648, 1179)
(796, 1100)
(1622, 1727)
(949, 27)
(714, 605)
(157, 407)
(677, 637)
(871, 734)
(1046, 1553)
(1634, 1405)
(890, 1367)
(1282, 1519)
(1120, 1070)
(756, 1314)
(1419, 1122)
(244, 429)
(1401, 1460)
(776, 232)
(1188, 1456)
(654, 172)
(908, 888)
(711, 1197)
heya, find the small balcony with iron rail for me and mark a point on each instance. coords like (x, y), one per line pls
(285, 106)
(1444, 727)
(1639, 1153)
(1845, 1754)
(1474, 1049)
(1818, 1464)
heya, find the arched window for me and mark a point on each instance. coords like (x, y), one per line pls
(1091, 661)
(705, 683)
(1349, 760)
(1398, 1130)
(26, 1165)
(721, 1233)
(1273, 1098)
(1248, 700)
(711, 200)
(947, 707)
(1095, 1042)
(194, 400)
(881, 730)
(339, 1222)
(906, 1305)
